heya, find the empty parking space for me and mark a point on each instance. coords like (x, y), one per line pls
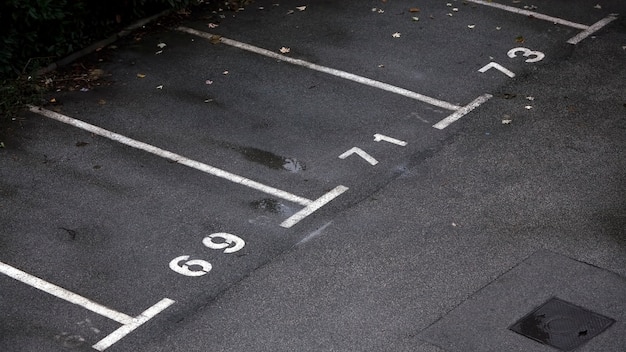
(216, 148)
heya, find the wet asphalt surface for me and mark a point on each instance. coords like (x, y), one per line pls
(442, 245)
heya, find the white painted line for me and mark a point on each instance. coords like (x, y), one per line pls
(379, 137)
(498, 67)
(338, 73)
(462, 112)
(592, 29)
(172, 156)
(124, 330)
(537, 15)
(64, 294)
(311, 208)
(129, 323)
(360, 152)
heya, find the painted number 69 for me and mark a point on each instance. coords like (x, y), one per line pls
(185, 268)
(198, 267)
(230, 243)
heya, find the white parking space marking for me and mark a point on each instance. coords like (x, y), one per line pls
(129, 323)
(311, 208)
(124, 330)
(64, 294)
(462, 112)
(587, 30)
(184, 161)
(338, 73)
(459, 111)
(592, 29)
(531, 13)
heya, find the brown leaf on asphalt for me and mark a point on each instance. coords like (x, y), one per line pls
(520, 39)
(414, 9)
(141, 75)
(102, 101)
(215, 39)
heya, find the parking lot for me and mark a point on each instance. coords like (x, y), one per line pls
(242, 160)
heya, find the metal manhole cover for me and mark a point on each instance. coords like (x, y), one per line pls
(561, 324)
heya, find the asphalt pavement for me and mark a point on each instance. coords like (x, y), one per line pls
(328, 176)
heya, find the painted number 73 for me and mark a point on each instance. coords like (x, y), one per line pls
(532, 56)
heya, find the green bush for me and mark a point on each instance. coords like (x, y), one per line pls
(34, 33)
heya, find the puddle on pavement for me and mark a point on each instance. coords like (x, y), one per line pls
(266, 158)
(269, 204)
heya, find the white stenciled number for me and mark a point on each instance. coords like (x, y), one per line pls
(187, 267)
(532, 55)
(229, 243)
(498, 67)
(198, 267)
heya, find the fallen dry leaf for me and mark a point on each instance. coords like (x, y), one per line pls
(159, 87)
(414, 9)
(161, 45)
(520, 39)
(213, 25)
(208, 82)
(285, 50)
(141, 75)
(396, 35)
(528, 107)
(471, 26)
(215, 39)
(506, 121)
(300, 8)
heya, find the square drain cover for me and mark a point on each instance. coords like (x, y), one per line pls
(561, 324)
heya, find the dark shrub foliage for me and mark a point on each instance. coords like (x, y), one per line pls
(34, 33)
